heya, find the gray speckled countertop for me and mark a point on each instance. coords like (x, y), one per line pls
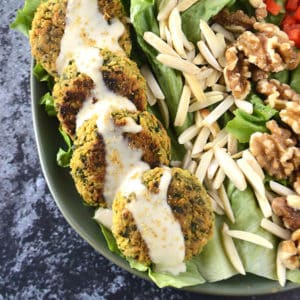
(41, 257)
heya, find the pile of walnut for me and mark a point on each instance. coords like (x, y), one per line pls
(259, 50)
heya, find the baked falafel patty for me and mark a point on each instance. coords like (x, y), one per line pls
(88, 163)
(189, 203)
(120, 74)
(48, 29)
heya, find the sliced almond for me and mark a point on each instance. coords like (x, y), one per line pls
(231, 169)
(218, 111)
(280, 268)
(176, 33)
(220, 29)
(264, 204)
(219, 179)
(187, 159)
(293, 201)
(195, 86)
(158, 44)
(183, 106)
(203, 165)
(280, 189)
(244, 105)
(165, 9)
(208, 56)
(232, 144)
(188, 134)
(226, 203)
(178, 64)
(251, 176)
(152, 83)
(212, 169)
(185, 4)
(273, 228)
(231, 250)
(201, 140)
(251, 160)
(250, 237)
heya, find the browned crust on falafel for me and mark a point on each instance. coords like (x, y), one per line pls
(88, 164)
(153, 140)
(122, 76)
(69, 94)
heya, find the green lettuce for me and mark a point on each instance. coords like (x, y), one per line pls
(25, 15)
(243, 125)
(256, 259)
(42, 75)
(63, 157)
(201, 10)
(188, 278)
(213, 263)
(143, 17)
(48, 101)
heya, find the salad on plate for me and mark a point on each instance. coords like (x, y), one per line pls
(182, 123)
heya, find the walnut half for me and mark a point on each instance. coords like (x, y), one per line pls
(278, 94)
(276, 152)
(291, 116)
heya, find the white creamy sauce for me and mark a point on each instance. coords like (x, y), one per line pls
(104, 217)
(85, 33)
(156, 223)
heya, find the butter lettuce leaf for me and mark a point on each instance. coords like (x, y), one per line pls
(201, 10)
(25, 16)
(213, 263)
(256, 259)
(188, 278)
(293, 276)
(63, 157)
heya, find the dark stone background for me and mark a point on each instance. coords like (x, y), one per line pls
(41, 257)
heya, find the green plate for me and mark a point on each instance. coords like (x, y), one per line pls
(79, 216)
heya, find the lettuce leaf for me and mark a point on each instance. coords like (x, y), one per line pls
(243, 125)
(213, 263)
(63, 157)
(25, 15)
(143, 17)
(201, 10)
(42, 75)
(48, 101)
(256, 259)
(188, 278)
(293, 276)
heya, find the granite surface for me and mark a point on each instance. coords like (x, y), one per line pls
(41, 257)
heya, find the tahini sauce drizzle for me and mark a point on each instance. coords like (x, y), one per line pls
(85, 33)
(157, 224)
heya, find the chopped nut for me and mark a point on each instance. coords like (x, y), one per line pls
(237, 74)
(296, 235)
(278, 93)
(258, 54)
(296, 183)
(281, 43)
(236, 22)
(269, 49)
(291, 116)
(276, 152)
(288, 254)
(290, 217)
(261, 9)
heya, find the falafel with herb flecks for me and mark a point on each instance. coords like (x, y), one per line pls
(120, 74)
(88, 163)
(189, 203)
(48, 28)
